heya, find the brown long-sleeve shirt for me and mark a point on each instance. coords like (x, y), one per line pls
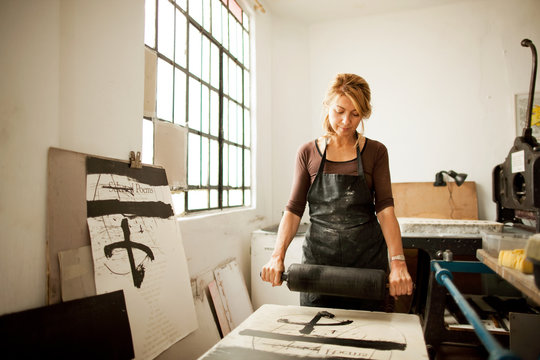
(376, 169)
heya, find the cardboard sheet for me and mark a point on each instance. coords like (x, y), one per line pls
(233, 291)
(150, 71)
(77, 273)
(170, 152)
(66, 212)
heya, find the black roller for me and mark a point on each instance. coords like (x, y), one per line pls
(369, 284)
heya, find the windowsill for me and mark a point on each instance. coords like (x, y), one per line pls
(214, 213)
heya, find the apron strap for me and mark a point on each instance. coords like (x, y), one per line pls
(358, 158)
(359, 161)
(323, 160)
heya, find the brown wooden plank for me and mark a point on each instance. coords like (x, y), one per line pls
(66, 211)
(423, 200)
(219, 308)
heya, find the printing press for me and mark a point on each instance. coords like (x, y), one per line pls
(516, 182)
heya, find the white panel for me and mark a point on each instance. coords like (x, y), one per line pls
(171, 151)
(234, 294)
(262, 245)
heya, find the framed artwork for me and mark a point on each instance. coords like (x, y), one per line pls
(521, 102)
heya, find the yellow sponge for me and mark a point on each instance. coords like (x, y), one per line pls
(515, 259)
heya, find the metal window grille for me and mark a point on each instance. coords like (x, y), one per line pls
(203, 77)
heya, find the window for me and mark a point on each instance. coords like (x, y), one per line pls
(202, 77)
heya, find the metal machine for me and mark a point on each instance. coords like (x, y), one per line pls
(516, 182)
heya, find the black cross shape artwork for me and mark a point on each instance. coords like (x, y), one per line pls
(310, 326)
(137, 271)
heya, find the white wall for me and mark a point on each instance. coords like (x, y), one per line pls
(70, 81)
(443, 81)
(290, 96)
(29, 122)
(101, 86)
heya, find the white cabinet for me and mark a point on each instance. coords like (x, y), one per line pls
(262, 245)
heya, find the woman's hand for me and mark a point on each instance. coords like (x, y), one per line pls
(288, 226)
(400, 282)
(271, 272)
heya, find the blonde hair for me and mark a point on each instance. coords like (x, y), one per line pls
(356, 89)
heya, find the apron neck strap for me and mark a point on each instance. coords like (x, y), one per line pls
(358, 160)
(323, 160)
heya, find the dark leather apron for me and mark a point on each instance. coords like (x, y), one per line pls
(344, 231)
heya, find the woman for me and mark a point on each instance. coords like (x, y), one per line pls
(345, 178)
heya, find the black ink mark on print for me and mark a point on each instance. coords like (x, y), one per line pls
(120, 188)
(147, 175)
(137, 271)
(359, 343)
(138, 208)
(310, 326)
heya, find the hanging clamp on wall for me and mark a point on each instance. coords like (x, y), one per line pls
(135, 160)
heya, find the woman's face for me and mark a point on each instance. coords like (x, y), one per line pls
(343, 117)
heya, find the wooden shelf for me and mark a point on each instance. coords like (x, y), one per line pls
(523, 282)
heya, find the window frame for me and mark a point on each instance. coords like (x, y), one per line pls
(243, 145)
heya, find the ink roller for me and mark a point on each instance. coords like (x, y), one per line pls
(369, 284)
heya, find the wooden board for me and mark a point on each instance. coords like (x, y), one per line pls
(219, 308)
(423, 200)
(66, 211)
(298, 332)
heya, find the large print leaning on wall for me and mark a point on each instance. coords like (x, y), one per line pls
(345, 179)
